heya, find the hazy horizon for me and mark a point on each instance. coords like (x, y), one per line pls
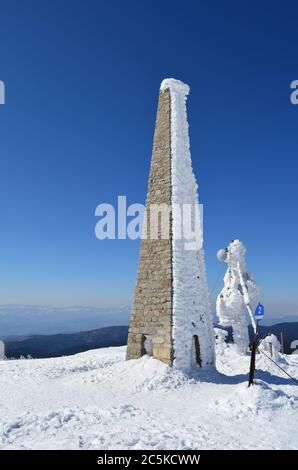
(24, 320)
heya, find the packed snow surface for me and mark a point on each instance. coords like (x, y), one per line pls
(97, 400)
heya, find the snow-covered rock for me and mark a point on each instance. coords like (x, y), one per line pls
(271, 346)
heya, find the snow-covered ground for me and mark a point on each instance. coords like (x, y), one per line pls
(96, 400)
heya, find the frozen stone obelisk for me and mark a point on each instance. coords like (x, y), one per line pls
(171, 318)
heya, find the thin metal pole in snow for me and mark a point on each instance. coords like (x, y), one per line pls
(253, 356)
(230, 266)
(271, 349)
(282, 342)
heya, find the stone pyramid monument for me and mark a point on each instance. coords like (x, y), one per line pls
(171, 318)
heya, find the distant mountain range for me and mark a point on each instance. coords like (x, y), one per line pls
(42, 346)
(282, 319)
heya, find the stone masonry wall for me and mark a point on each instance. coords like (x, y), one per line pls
(152, 308)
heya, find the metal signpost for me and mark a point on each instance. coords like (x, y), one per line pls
(259, 315)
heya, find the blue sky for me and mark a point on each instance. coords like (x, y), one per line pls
(82, 81)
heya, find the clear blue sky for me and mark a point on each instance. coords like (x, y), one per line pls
(82, 81)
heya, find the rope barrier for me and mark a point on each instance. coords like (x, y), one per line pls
(293, 378)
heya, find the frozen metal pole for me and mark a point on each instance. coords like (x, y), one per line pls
(253, 356)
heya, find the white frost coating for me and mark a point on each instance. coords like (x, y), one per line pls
(230, 306)
(175, 86)
(191, 309)
(220, 341)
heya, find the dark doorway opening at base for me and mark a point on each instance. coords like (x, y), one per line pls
(197, 350)
(147, 345)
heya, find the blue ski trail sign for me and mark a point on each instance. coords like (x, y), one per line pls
(259, 312)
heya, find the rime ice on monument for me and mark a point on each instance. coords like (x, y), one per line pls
(171, 318)
(230, 305)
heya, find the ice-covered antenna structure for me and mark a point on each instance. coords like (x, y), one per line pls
(246, 298)
(233, 305)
